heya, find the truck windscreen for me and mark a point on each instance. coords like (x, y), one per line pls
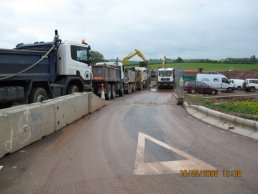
(165, 73)
(79, 53)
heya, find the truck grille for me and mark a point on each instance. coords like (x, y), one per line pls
(165, 79)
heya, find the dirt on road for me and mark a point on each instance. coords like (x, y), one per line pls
(140, 143)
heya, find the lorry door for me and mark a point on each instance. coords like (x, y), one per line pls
(79, 55)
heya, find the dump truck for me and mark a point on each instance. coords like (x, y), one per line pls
(35, 72)
(108, 78)
(142, 78)
(129, 80)
(166, 77)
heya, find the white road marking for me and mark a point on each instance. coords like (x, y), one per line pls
(166, 167)
(1, 167)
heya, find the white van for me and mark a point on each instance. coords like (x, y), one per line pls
(251, 85)
(218, 81)
(239, 83)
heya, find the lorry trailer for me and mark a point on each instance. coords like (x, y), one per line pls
(108, 77)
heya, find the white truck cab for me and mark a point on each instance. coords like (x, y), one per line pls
(216, 80)
(73, 60)
(166, 77)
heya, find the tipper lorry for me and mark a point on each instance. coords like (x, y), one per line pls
(166, 77)
(35, 72)
(124, 82)
(107, 77)
(142, 77)
(129, 80)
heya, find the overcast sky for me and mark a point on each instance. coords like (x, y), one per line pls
(185, 28)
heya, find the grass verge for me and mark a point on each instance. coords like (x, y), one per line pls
(243, 108)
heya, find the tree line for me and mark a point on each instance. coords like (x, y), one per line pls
(98, 57)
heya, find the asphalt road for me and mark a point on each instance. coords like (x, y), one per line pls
(136, 144)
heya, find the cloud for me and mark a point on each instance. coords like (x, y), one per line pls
(186, 28)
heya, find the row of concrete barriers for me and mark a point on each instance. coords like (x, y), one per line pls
(25, 124)
(234, 124)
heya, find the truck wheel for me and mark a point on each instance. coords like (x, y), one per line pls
(108, 94)
(72, 89)
(239, 88)
(141, 86)
(133, 90)
(113, 95)
(252, 89)
(229, 90)
(121, 92)
(38, 94)
(192, 91)
(130, 89)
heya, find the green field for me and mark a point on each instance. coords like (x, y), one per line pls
(207, 66)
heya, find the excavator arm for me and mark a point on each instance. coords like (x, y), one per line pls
(132, 54)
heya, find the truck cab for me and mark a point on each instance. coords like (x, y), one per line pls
(166, 77)
(73, 59)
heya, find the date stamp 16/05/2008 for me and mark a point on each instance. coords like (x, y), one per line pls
(211, 173)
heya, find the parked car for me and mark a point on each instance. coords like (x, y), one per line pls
(200, 87)
(250, 85)
(238, 83)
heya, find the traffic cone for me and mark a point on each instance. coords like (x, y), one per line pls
(102, 92)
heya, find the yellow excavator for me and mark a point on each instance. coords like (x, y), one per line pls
(144, 63)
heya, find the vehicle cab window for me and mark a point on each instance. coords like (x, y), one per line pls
(79, 53)
(225, 80)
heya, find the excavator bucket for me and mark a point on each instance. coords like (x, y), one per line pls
(143, 64)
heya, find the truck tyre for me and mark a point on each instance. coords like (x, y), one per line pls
(141, 86)
(252, 89)
(239, 88)
(108, 94)
(133, 88)
(38, 94)
(72, 89)
(113, 94)
(229, 89)
(121, 91)
(130, 89)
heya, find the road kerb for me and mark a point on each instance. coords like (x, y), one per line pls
(224, 121)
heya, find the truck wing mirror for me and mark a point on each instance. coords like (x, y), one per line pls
(90, 60)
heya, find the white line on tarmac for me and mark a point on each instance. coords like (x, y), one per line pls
(1, 167)
(165, 167)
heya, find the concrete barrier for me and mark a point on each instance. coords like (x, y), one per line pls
(95, 103)
(25, 124)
